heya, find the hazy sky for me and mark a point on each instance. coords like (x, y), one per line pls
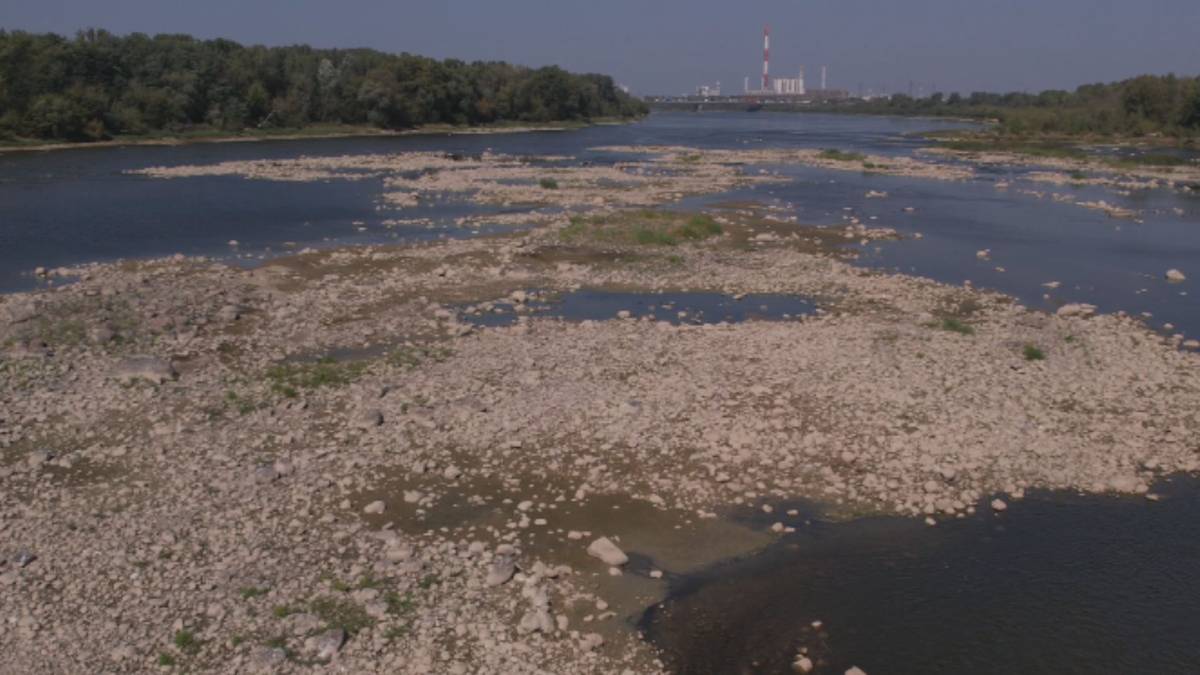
(670, 46)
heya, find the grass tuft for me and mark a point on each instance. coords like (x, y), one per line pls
(644, 228)
(548, 184)
(957, 326)
(289, 378)
(343, 614)
(1032, 353)
(841, 155)
(252, 592)
(186, 641)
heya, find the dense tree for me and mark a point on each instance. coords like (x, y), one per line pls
(99, 85)
(1148, 104)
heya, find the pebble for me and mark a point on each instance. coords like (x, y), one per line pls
(999, 505)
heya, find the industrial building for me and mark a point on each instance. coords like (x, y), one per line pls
(780, 90)
(782, 86)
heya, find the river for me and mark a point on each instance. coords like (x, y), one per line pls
(66, 207)
(1058, 583)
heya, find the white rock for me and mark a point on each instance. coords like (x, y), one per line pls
(1076, 309)
(1175, 276)
(375, 507)
(501, 571)
(607, 552)
(999, 505)
(802, 664)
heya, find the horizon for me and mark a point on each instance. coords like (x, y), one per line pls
(663, 50)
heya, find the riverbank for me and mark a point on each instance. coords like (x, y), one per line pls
(308, 133)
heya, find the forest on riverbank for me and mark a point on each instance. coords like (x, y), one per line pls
(99, 86)
(1142, 106)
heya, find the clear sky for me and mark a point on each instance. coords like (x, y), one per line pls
(670, 46)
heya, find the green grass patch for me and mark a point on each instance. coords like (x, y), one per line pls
(288, 379)
(399, 605)
(252, 592)
(284, 611)
(1032, 353)
(1019, 147)
(548, 184)
(842, 155)
(396, 632)
(186, 641)
(643, 228)
(166, 660)
(955, 325)
(1076, 174)
(340, 613)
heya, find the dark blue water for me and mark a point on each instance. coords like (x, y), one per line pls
(67, 207)
(1057, 584)
(697, 308)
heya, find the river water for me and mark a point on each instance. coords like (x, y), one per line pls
(1057, 584)
(60, 208)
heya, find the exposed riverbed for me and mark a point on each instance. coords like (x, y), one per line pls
(414, 396)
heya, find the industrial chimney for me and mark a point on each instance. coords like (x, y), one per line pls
(766, 58)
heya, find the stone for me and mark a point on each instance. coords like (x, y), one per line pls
(266, 474)
(802, 664)
(229, 313)
(329, 643)
(855, 670)
(368, 418)
(1175, 276)
(99, 335)
(374, 508)
(23, 558)
(451, 472)
(37, 458)
(267, 659)
(20, 312)
(502, 569)
(591, 642)
(148, 368)
(999, 505)
(1078, 309)
(607, 552)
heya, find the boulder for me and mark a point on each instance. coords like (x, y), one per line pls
(607, 552)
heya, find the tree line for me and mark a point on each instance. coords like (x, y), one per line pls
(1165, 105)
(98, 85)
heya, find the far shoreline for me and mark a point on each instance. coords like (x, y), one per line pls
(316, 133)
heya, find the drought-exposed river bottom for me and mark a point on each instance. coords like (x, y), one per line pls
(491, 407)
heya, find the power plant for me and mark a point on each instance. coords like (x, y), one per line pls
(780, 86)
(779, 91)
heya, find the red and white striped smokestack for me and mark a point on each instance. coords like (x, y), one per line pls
(766, 57)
